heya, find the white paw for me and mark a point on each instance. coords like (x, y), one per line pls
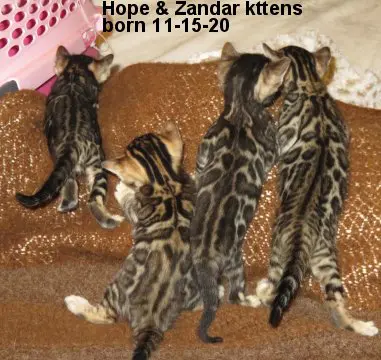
(265, 291)
(118, 218)
(264, 287)
(66, 206)
(221, 292)
(249, 300)
(366, 328)
(253, 301)
(76, 304)
(121, 190)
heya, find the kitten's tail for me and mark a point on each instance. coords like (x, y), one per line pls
(147, 341)
(62, 170)
(207, 273)
(290, 282)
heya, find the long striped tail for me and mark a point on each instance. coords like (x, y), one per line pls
(207, 273)
(57, 179)
(147, 341)
(289, 284)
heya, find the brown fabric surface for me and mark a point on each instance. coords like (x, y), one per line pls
(45, 255)
(36, 325)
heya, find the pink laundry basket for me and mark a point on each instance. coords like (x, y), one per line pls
(31, 31)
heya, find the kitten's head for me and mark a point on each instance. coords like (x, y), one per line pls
(82, 66)
(253, 76)
(150, 170)
(306, 67)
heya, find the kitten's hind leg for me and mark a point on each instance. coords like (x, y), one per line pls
(69, 196)
(324, 268)
(266, 288)
(266, 291)
(147, 340)
(237, 282)
(98, 183)
(98, 314)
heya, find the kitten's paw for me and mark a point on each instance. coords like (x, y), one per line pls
(119, 193)
(67, 205)
(118, 218)
(366, 328)
(221, 292)
(249, 300)
(76, 304)
(265, 291)
(112, 222)
(264, 286)
(253, 301)
(121, 190)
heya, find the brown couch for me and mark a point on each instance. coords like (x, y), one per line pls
(45, 255)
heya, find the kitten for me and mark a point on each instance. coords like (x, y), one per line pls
(233, 160)
(313, 172)
(73, 136)
(156, 280)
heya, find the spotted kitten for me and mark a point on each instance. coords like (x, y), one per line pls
(232, 164)
(313, 172)
(156, 280)
(73, 136)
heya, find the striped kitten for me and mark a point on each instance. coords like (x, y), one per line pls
(313, 172)
(232, 164)
(73, 135)
(156, 280)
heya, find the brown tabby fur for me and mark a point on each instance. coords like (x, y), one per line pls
(313, 170)
(156, 281)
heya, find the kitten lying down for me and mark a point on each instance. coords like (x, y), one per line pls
(73, 136)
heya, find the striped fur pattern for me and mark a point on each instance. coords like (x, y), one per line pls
(313, 172)
(73, 136)
(156, 281)
(233, 160)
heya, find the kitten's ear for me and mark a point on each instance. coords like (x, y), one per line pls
(171, 137)
(102, 68)
(128, 170)
(62, 59)
(273, 55)
(322, 57)
(171, 132)
(271, 78)
(106, 61)
(228, 55)
(229, 52)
